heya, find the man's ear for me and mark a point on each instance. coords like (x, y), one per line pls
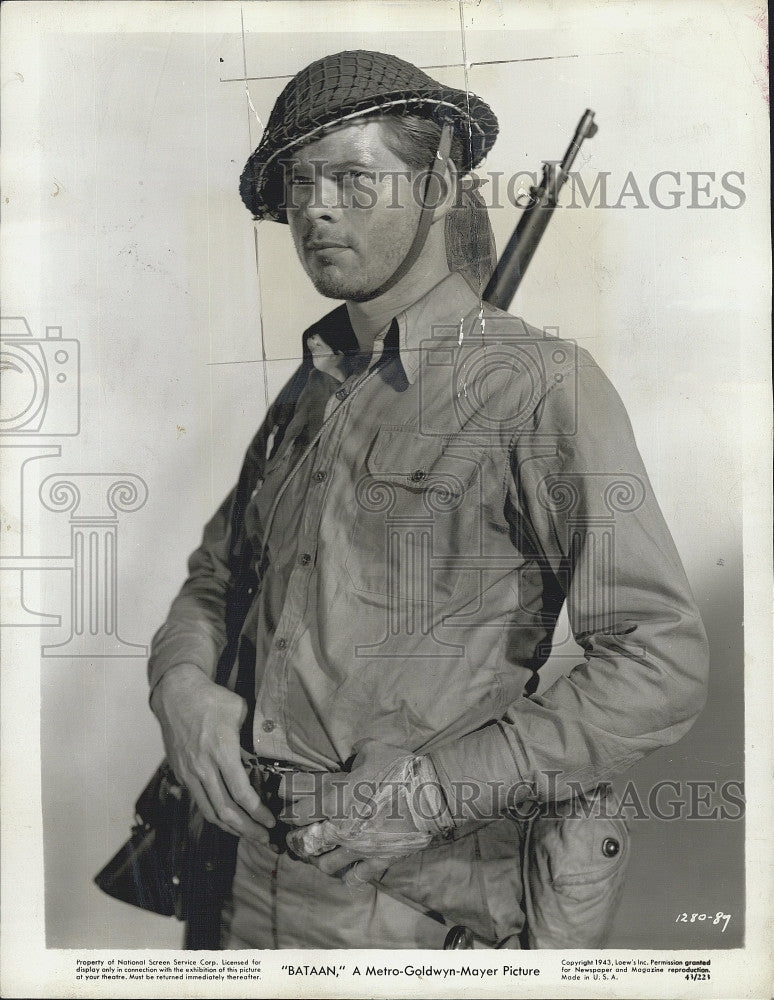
(449, 191)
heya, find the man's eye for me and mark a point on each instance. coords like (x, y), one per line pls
(351, 174)
(301, 181)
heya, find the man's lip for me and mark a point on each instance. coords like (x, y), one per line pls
(326, 245)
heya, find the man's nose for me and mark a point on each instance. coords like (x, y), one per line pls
(324, 199)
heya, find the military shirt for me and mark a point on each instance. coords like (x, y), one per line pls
(417, 518)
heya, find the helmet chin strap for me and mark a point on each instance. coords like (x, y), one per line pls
(432, 196)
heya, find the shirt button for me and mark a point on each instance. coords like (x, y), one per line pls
(282, 643)
(305, 559)
(269, 725)
(341, 394)
(417, 475)
(320, 476)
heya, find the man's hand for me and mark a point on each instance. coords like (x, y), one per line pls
(200, 723)
(388, 806)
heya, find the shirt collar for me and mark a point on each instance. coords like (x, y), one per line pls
(446, 304)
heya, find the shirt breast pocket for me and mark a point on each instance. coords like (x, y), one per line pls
(415, 504)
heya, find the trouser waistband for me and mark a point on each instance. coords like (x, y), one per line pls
(270, 773)
(269, 765)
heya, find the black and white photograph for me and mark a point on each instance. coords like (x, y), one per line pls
(386, 499)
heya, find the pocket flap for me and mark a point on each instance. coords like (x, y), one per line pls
(419, 462)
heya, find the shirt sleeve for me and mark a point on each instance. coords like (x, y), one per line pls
(641, 683)
(195, 628)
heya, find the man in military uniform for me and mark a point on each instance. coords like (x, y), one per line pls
(348, 679)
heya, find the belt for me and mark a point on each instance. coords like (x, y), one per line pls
(269, 765)
(271, 772)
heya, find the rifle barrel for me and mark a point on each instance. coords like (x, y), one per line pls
(534, 220)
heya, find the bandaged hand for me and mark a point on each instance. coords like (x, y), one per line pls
(388, 806)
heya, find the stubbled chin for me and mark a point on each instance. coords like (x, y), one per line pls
(332, 286)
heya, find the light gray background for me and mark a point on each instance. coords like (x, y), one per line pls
(148, 257)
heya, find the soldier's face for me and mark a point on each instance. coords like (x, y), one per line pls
(353, 210)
